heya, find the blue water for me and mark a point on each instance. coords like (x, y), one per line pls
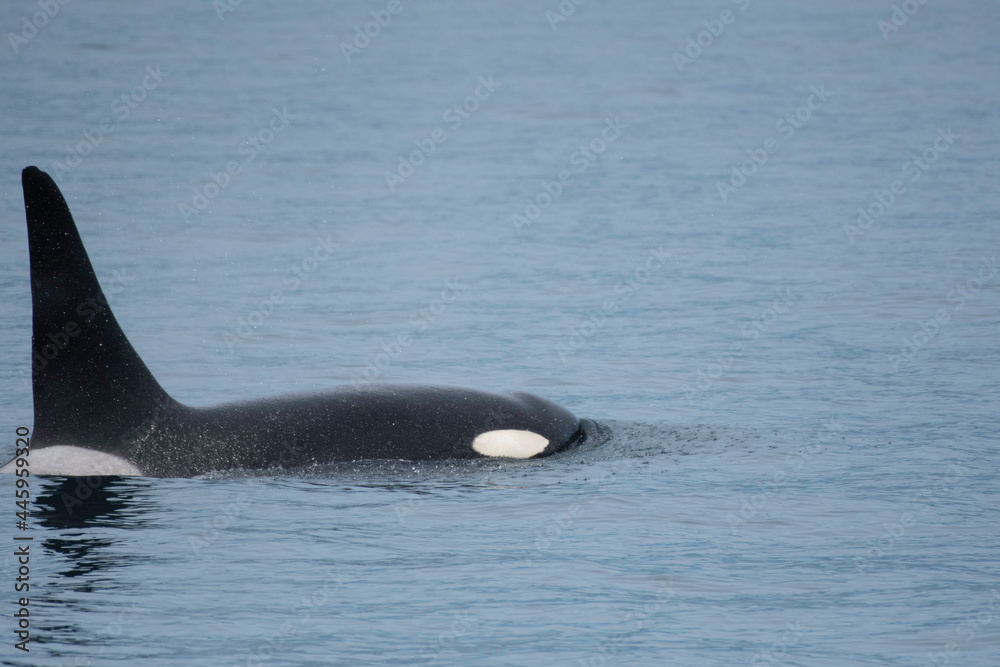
(801, 458)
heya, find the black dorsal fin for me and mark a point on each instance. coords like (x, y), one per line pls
(90, 386)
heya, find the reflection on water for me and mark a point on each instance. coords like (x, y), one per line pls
(85, 530)
(70, 505)
(82, 502)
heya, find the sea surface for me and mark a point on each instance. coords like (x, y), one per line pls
(755, 241)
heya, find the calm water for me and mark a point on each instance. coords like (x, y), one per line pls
(801, 454)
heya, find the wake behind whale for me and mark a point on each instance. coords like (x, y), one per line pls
(99, 410)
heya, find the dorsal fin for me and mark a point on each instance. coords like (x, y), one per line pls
(90, 387)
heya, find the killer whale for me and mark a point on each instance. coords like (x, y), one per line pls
(98, 410)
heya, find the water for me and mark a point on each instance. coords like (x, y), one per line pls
(785, 481)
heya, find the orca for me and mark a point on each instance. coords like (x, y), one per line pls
(99, 411)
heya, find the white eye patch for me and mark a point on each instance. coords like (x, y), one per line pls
(510, 444)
